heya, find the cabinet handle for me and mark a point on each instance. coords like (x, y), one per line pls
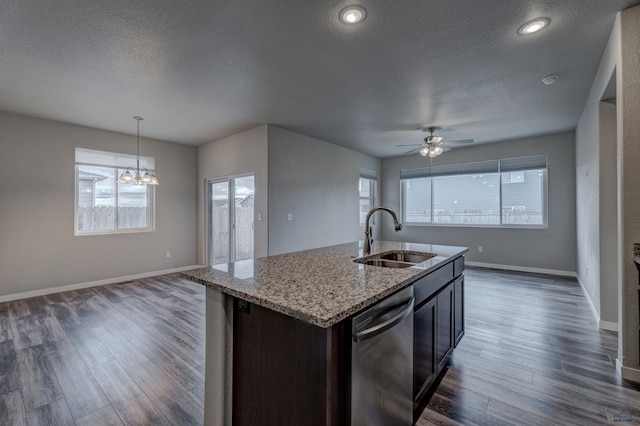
(381, 328)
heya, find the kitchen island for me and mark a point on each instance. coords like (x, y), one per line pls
(277, 327)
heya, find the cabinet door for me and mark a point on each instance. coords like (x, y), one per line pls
(458, 317)
(444, 326)
(424, 345)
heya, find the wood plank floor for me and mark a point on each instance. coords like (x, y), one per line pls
(133, 354)
(122, 354)
(532, 355)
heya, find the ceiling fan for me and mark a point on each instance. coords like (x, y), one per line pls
(434, 145)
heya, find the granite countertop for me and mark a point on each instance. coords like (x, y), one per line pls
(320, 286)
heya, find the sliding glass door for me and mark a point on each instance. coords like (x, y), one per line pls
(230, 215)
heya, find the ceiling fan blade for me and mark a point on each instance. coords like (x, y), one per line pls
(410, 144)
(414, 150)
(460, 142)
(445, 149)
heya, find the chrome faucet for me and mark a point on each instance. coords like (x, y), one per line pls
(368, 233)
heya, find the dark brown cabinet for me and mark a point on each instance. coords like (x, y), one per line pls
(289, 372)
(438, 326)
(286, 371)
(424, 344)
(444, 325)
(458, 305)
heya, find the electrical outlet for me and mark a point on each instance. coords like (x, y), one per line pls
(480, 249)
(167, 255)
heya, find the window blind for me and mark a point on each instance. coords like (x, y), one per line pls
(112, 159)
(532, 162)
(478, 167)
(368, 173)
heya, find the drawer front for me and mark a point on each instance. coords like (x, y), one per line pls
(427, 286)
(458, 266)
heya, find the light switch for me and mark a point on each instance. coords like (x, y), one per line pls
(259, 217)
(289, 216)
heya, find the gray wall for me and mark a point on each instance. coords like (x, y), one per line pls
(242, 153)
(588, 184)
(607, 181)
(608, 220)
(38, 250)
(317, 182)
(596, 236)
(628, 131)
(553, 248)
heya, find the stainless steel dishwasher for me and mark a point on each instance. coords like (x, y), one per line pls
(382, 362)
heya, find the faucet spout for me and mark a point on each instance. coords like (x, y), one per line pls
(368, 232)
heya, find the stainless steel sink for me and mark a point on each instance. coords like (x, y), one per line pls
(386, 263)
(395, 259)
(410, 257)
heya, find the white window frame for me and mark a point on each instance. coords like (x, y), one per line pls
(371, 176)
(118, 162)
(230, 181)
(516, 160)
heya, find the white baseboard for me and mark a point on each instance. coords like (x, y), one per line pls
(603, 325)
(594, 311)
(628, 373)
(608, 325)
(522, 269)
(52, 290)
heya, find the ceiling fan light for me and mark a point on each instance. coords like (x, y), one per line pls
(424, 151)
(439, 150)
(432, 153)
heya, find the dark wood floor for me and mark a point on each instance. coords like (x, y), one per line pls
(133, 353)
(532, 355)
(130, 353)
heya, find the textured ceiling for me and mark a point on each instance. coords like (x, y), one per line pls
(201, 70)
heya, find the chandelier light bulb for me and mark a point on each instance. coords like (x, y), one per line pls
(125, 177)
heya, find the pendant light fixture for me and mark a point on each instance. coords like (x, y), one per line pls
(149, 177)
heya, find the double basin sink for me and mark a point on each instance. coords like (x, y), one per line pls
(395, 259)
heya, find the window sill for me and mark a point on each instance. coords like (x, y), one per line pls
(463, 225)
(114, 232)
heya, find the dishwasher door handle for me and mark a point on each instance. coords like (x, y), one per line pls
(381, 328)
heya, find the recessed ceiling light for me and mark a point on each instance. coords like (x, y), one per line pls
(533, 26)
(550, 79)
(353, 14)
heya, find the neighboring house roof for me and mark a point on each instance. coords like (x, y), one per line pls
(84, 175)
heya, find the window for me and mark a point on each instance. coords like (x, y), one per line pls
(103, 206)
(367, 188)
(509, 192)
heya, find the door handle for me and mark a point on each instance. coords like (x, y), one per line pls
(381, 328)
